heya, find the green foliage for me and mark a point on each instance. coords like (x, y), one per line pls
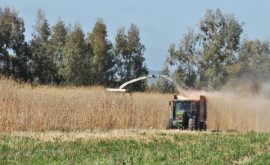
(121, 54)
(14, 52)
(36, 82)
(183, 148)
(56, 46)
(206, 59)
(253, 64)
(76, 63)
(42, 30)
(135, 51)
(186, 59)
(220, 39)
(254, 59)
(102, 56)
(129, 55)
(41, 63)
(164, 86)
(212, 58)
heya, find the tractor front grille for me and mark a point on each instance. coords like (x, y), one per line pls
(179, 116)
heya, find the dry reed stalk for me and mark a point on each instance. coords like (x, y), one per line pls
(49, 108)
(79, 108)
(230, 111)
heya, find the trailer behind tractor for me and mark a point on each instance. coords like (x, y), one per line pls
(188, 112)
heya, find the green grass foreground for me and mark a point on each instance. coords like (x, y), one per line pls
(157, 148)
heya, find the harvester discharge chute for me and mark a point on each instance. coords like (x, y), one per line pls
(120, 89)
(116, 90)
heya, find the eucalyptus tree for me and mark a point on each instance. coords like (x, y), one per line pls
(76, 63)
(164, 86)
(14, 52)
(206, 59)
(130, 60)
(42, 67)
(56, 46)
(102, 58)
(220, 37)
(186, 60)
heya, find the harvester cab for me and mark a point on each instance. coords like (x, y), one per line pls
(188, 112)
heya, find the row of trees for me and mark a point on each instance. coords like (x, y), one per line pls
(211, 57)
(215, 57)
(65, 55)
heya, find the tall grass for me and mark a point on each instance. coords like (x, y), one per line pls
(47, 108)
(238, 111)
(23, 107)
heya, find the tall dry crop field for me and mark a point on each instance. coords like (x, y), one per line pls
(23, 107)
(238, 111)
(47, 108)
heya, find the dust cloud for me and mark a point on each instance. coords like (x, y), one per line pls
(242, 109)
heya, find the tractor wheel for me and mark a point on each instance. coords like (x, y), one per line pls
(191, 124)
(169, 124)
(201, 126)
(204, 126)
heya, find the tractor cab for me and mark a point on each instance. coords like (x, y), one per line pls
(187, 113)
(185, 106)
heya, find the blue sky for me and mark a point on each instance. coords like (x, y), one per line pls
(161, 22)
